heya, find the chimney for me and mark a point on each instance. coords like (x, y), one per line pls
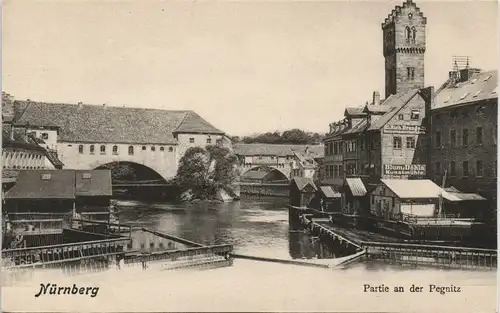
(376, 98)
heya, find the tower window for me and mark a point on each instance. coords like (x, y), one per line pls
(413, 34)
(408, 33)
(115, 149)
(92, 149)
(80, 149)
(131, 150)
(410, 73)
(103, 149)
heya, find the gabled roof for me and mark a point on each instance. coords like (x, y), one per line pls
(354, 111)
(250, 149)
(19, 141)
(480, 86)
(43, 184)
(92, 123)
(358, 128)
(303, 182)
(398, 10)
(93, 183)
(394, 102)
(377, 109)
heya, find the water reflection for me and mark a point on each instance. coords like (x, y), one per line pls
(255, 226)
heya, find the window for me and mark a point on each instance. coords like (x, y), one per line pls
(191, 140)
(465, 169)
(115, 150)
(453, 169)
(170, 149)
(465, 137)
(80, 149)
(410, 72)
(410, 142)
(479, 168)
(103, 149)
(45, 136)
(130, 150)
(415, 114)
(453, 138)
(86, 175)
(454, 114)
(362, 144)
(162, 148)
(143, 148)
(153, 148)
(396, 143)
(46, 176)
(401, 117)
(438, 167)
(209, 140)
(413, 34)
(408, 34)
(335, 148)
(92, 148)
(438, 139)
(479, 135)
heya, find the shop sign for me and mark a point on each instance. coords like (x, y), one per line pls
(404, 129)
(405, 170)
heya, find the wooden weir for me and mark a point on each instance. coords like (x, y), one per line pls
(402, 253)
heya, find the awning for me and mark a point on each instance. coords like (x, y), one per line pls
(456, 195)
(302, 182)
(356, 186)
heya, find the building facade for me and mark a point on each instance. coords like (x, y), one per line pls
(464, 133)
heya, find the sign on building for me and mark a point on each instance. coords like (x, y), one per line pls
(405, 170)
(404, 129)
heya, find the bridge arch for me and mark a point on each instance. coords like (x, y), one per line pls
(284, 171)
(142, 169)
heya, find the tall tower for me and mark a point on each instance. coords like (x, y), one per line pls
(404, 48)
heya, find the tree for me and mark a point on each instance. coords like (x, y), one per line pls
(121, 171)
(205, 171)
(293, 136)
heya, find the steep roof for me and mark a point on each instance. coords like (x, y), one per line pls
(303, 182)
(377, 109)
(356, 186)
(92, 123)
(358, 128)
(43, 184)
(276, 149)
(480, 86)
(93, 183)
(329, 192)
(394, 102)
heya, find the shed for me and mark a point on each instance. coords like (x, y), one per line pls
(42, 191)
(354, 196)
(463, 205)
(331, 199)
(400, 198)
(302, 191)
(93, 193)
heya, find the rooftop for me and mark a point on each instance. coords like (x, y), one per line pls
(394, 103)
(250, 149)
(415, 189)
(93, 123)
(480, 86)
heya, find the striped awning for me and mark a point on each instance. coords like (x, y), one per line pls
(356, 186)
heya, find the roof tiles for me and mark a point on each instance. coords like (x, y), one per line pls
(91, 123)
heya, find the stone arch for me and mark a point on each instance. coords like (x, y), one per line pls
(158, 172)
(283, 171)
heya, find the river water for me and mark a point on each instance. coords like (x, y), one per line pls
(256, 227)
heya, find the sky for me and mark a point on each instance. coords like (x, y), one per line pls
(245, 66)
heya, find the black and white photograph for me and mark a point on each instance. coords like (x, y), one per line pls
(249, 156)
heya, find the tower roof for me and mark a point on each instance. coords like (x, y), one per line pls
(396, 12)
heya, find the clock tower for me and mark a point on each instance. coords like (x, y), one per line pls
(404, 48)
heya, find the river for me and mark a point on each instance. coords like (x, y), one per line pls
(256, 227)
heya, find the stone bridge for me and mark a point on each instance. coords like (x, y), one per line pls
(90, 136)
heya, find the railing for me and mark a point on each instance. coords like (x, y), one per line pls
(37, 227)
(176, 255)
(64, 252)
(117, 227)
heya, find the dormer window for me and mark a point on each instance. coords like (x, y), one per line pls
(46, 176)
(464, 96)
(86, 176)
(415, 114)
(476, 94)
(487, 77)
(45, 136)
